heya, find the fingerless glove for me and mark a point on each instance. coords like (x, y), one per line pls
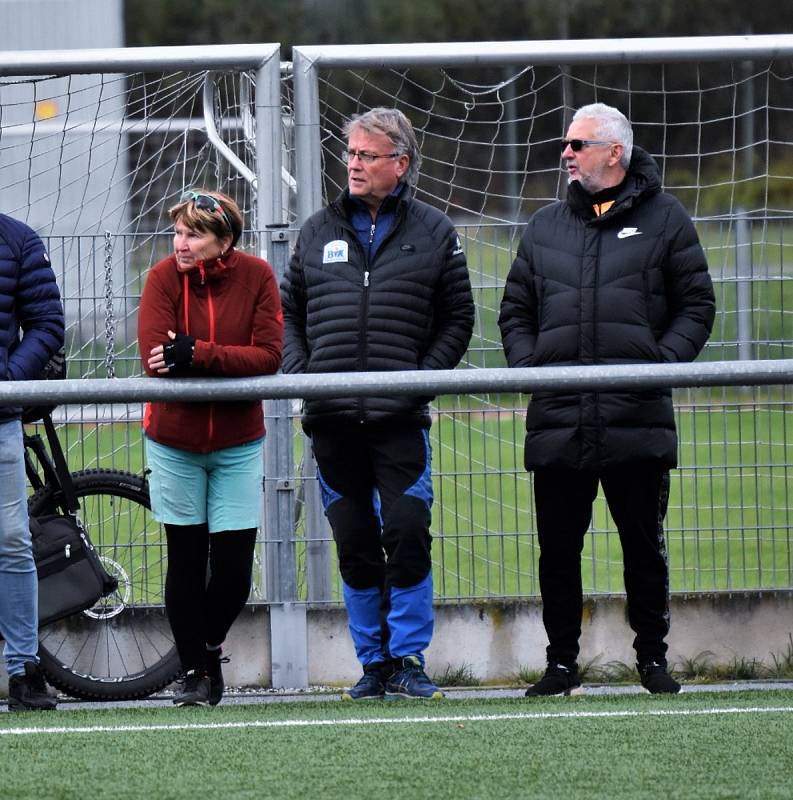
(179, 352)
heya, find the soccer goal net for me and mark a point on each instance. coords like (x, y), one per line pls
(94, 161)
(489, 123)
(93, 155)
(489, 136)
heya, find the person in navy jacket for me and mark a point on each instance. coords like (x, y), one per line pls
(378, 281)
(31, 332)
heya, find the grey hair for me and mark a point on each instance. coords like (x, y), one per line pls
(398, 128)
(611, 125)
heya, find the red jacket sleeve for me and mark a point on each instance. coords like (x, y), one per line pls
(156, 315)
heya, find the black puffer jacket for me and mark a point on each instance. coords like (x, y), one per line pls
(628, 287)
(411, 308)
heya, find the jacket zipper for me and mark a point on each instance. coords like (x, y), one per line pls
(211, 311)
(366, 283)
(364, 319)
(211, 314)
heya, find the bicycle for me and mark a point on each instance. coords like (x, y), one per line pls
(122, 648)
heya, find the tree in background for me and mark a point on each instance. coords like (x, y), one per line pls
(290, 22)
(316, 22)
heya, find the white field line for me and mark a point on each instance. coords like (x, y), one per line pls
(331, 723)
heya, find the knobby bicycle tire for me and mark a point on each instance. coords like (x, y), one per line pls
(121, 649)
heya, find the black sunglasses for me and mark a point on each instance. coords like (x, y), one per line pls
(579, 144)
(207, 203)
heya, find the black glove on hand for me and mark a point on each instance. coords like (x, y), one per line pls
(179, 352)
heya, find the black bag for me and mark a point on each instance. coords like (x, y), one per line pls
(71, 575)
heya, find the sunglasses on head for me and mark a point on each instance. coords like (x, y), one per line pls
(579, 144)
(207, 203)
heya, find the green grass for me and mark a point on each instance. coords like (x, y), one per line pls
(705, 746)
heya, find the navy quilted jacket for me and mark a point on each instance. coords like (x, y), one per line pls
(31, 314)
(410, 308)
(628, 287)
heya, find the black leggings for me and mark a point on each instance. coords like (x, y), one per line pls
(207, 585)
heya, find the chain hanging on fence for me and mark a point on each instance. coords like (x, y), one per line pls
(110, 322)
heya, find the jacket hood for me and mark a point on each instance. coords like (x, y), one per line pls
(642, 180)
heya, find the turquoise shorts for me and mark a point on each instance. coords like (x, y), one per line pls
(223, 488)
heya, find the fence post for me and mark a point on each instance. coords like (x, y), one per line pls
(288, 630)
(308, 146)
(743, 286)
(308, 168)
(269, 210)
(317, 532)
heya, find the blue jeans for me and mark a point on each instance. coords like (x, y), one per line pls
(18, 582)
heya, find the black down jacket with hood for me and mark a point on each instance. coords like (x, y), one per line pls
(410, 308)
(628, 287)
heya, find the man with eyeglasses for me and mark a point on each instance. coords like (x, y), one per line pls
(613, 274)
(378, 281)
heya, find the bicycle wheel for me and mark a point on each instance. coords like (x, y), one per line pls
(122, 648)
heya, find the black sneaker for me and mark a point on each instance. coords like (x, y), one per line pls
(558, 680)
(28, 691)
(371, 686)
(194, 691)
(410, 680)
(215, 674)
(656, 680)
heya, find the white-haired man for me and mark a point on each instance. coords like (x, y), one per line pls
(613, 274)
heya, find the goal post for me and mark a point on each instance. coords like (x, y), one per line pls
(714, 112)
(96, 145)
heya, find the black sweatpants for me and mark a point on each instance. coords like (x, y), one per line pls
(637, 496)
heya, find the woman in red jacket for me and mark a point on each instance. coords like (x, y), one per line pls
(207, 310)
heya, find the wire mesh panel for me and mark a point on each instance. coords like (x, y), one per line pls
(93, 159)
(489, 135)
(94, 149)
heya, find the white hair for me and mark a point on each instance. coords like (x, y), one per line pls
(610, 125)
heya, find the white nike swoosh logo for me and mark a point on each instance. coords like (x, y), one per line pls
(626, 232)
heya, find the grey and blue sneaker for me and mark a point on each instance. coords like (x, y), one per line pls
(371, 686)
(410, 680)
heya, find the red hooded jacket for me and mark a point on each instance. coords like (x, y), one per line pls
(233, 310)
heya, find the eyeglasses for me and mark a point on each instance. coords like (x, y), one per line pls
(366, 158)
(207, 203)
(576, 145)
